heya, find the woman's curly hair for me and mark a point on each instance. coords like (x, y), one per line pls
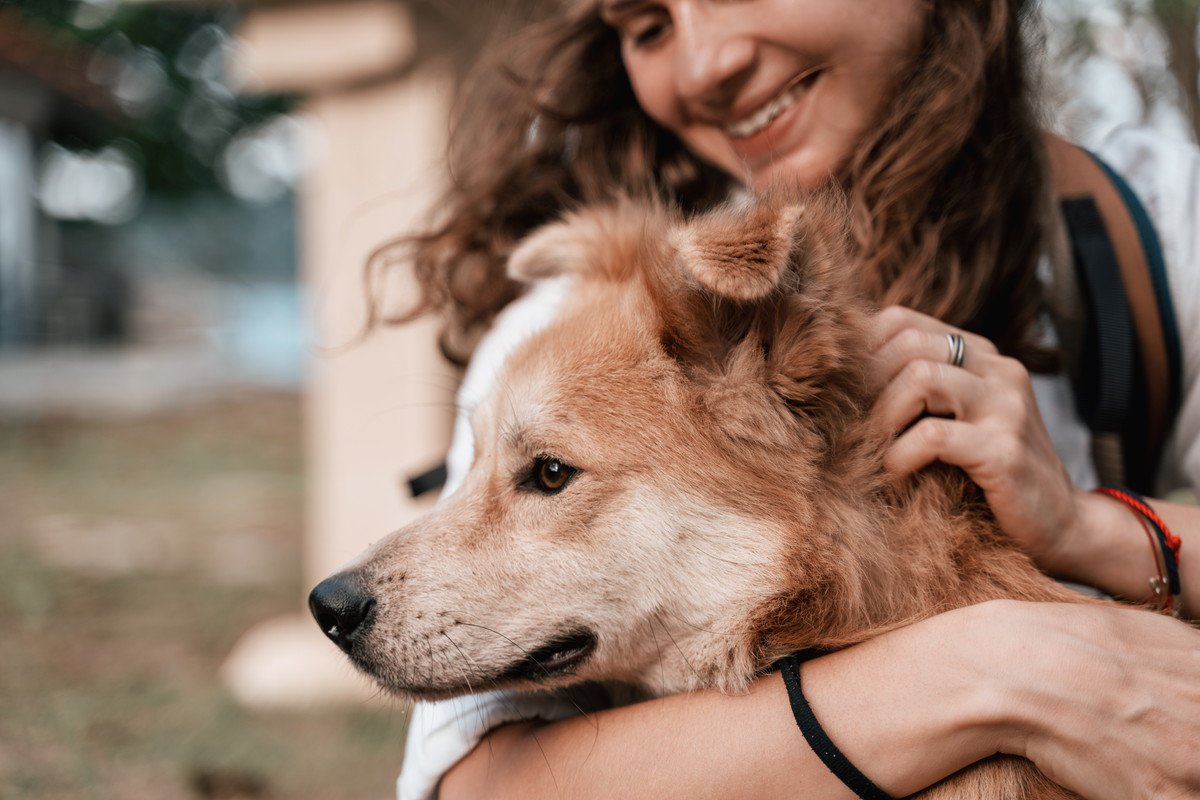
(946, 193)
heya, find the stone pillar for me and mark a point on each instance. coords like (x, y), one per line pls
(378, 408)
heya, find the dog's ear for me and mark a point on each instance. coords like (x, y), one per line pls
(606, 242)
(761, 318)
(739, 254)
(549, 251)
(733, 265)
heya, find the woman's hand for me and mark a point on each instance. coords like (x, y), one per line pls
(1106, 700)
(983, 418)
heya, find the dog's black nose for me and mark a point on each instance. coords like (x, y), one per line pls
(340, 605)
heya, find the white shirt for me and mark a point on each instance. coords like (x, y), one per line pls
(1164, 174)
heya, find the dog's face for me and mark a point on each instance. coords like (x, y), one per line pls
(631, 506)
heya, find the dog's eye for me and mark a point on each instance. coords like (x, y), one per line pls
(549, 475)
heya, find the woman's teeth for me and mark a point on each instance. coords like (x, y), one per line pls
(767, 114)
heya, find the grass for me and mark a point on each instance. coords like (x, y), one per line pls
(133, 554)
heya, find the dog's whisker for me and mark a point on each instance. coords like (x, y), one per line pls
(699, 628)
(434, 665)
(430, 675)
(678, 648)
(470, 688)
(546, 758)
(524, 652)
(729, 561)
(662, 667)
(512, 707)
(466, 675)
(591, 718)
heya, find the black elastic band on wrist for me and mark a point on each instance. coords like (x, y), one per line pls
(815, 735)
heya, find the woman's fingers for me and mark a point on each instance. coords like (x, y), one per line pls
(995, 432)
(904, 336)
(938, 439)
(894, 320)
(925, 386)
(913, 344)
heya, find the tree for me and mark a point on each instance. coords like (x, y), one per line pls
(164, 67)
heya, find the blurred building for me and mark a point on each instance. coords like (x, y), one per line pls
(131, 280)
(43, 89)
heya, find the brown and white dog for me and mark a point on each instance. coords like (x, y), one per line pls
(676, 484)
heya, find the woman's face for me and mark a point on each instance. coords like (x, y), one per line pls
(770, 91)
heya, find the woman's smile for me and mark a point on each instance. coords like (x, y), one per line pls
(769, 91)
(753, 123)
(776, 127)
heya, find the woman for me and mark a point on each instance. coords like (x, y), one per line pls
(922, 113)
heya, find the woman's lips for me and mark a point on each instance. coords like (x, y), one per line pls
(765, 131)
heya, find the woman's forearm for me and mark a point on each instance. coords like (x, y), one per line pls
(1105, 700)
(908, 708)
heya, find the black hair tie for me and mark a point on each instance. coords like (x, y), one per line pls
(815, 735)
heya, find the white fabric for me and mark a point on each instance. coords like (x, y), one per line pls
(1164, 174)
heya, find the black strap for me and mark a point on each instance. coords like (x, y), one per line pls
(815, 735)
(427, 481)
(1107, 367)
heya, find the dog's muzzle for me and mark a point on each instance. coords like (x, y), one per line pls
(342, 607)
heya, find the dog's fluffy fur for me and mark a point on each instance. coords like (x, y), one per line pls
(706, 379)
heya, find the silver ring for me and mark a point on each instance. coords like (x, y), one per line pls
(958, 349)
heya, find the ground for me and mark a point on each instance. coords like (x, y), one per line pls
(133, 554)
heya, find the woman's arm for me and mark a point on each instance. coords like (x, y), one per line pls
(918, 687)
(1104, 700)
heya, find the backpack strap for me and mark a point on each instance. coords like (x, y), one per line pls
(1127, 375)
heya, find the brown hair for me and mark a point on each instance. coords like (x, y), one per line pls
(946, 193)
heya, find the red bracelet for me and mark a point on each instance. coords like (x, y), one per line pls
(1167, 587)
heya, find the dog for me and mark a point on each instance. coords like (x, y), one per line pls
(684, 456)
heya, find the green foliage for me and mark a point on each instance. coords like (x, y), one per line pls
(1168, 11)
(164, 64)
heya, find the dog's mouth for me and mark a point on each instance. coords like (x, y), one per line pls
(562, 655)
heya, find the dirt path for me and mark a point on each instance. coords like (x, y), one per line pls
(133, 553)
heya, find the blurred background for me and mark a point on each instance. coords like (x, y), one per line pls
(193, 427)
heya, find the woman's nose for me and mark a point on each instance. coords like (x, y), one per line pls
(714, 57)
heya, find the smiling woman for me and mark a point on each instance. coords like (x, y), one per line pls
(946, 190)
(780, 94)
(920, 115)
